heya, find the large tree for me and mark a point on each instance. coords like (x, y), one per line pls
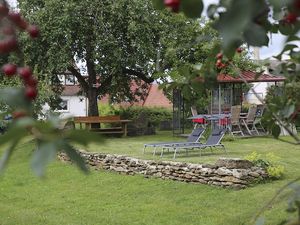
(116, 40)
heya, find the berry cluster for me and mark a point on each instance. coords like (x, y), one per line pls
(220, 63)
(173, 5)
(293, 13)
(11, 22)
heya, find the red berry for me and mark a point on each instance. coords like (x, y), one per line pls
(33, 31)
(297, 4)
(25, 72)
(223, 65)
(172, 4)
(15, 17)
(219, 56)
(219, 63)
(18, 20)
(239, 50)
(3, 9)
(31, 93)
(18, 114)
(8, 30)
(290, 18)
(31, 82)
(8, 44)
(9, 69)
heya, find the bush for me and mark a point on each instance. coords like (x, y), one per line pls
(155, 115)
(270, 162)
(107, 109)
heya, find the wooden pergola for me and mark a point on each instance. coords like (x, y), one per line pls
(229, 91)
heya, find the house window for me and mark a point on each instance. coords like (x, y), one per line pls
(63, 106)
(61, 79)
(70, 80)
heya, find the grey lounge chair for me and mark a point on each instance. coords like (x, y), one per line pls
(192, 138)
(235, 127)
(214, 140)
(249, 120)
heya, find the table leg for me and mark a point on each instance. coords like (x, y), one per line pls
(125, 129)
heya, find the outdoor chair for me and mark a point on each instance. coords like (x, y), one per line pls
(198, 121)
(249, 120)
(213, 141)
(192, 138)
(257, 120)
(235, 125)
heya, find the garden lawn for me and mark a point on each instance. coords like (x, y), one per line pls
(66, 196)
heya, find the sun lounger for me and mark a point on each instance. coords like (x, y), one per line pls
(192, 138)
(213, 141)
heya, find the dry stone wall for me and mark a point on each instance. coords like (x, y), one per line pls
(232, 173)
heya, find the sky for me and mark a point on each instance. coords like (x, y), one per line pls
(274, 48)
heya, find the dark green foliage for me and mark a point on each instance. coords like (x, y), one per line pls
(155, 115)
(47, 135)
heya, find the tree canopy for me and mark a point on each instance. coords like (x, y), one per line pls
(120, 41)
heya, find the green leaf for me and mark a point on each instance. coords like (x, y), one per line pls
(158, 4)
(260, 221)
(14, 97)
(192, 8)
(279, 4)
(232, 23)
(45, 153)
(75, 157)
(84, 137)
(184, 71)
(13, 133)
(289, 47)
(211, 10)
(293, 38)
(25, 122)
(288, 111)
(256, 35)
(276, 130)
(285, 29)
(6, 156)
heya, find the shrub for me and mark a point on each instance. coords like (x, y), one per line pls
(107, 109)
(154, 114)
(270, 162)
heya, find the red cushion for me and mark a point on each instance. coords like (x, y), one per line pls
(199, 120)
(224, 121)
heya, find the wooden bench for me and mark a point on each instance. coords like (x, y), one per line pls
(121, 127)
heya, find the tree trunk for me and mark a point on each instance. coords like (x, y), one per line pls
(93, 105)
(93, 102)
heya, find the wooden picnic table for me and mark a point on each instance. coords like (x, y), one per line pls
(89, 120)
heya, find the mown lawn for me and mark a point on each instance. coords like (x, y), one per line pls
(66, 196)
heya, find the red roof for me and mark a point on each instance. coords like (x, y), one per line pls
(154, 98)
(249, 76)
(70, 90)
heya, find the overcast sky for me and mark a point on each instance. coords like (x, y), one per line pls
(275, 45)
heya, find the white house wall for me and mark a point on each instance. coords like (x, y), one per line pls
(77, 106)
(261, 89)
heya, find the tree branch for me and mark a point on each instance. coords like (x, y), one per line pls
(104, 85)
(79, 77)
(271, 201)
(138, 74)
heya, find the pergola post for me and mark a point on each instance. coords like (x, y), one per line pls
(220, 95)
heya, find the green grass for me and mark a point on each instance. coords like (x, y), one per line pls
(66, 196)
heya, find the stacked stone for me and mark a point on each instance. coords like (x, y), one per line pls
(232, 173)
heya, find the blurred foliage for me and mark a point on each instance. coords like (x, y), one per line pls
(269, 161)
(155, 115)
